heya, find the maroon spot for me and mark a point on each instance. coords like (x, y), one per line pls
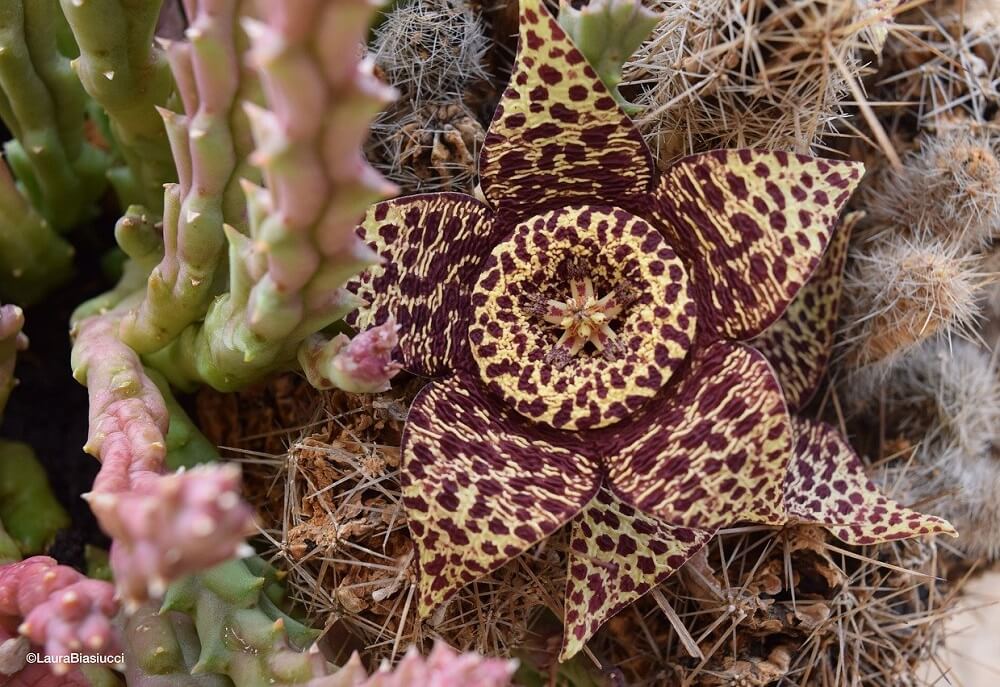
(564, 114)
(605, 103)
(515, 121)
(549, 74)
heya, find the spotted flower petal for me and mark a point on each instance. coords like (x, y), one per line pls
(713, 448)
(616, 556)
(798, 345)
(752, 227)
(433, 247)
(481, 484)
(827, 485)
(558, 136)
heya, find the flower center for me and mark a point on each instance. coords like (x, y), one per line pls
(582, 314)
(584, 317)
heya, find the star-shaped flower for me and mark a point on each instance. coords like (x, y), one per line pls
(586, 326)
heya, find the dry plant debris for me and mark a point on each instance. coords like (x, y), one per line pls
(333, 507)
(434, 53)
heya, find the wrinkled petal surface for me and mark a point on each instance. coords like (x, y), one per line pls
(433, 247)
(713, 448)
(827, 485)
(798, 345)
(558, 137)
(481, 484)
(616, 556)
(752, 227)
(510, 344)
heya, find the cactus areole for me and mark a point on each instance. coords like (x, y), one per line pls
(584, 327)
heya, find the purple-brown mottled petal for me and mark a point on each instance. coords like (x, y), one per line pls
(827, 485)
(432, 247)
(712, 449)
(558, 137)
(481, 484)
(798, 345)
(616, 556)
(752, 227)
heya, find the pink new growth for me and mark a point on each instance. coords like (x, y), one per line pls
(443, 668)
(56, 608)
(163, 526)
(362, 365)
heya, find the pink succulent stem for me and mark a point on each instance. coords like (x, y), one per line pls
(442, 668)
(362, 365)
(57, 608)
(163, 526)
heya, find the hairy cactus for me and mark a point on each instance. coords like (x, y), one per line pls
(948, 190)
(285, 277)
(431, 50)
(57, 608)
(128, 77)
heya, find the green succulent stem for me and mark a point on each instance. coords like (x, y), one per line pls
(607, 32)
(9, 551)
(28, 510)
(129, 77)
(45, 107)
(210, 140)
(241, 631)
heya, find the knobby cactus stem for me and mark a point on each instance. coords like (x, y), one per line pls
(209, 139)
(286, 276)
(128, 76)
(164, 526)
(33, 258)
(44, 107)
(57, 608)
(12, 340)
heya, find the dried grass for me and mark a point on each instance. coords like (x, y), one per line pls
(332, 515)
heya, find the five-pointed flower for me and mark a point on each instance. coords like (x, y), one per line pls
(585, 326)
